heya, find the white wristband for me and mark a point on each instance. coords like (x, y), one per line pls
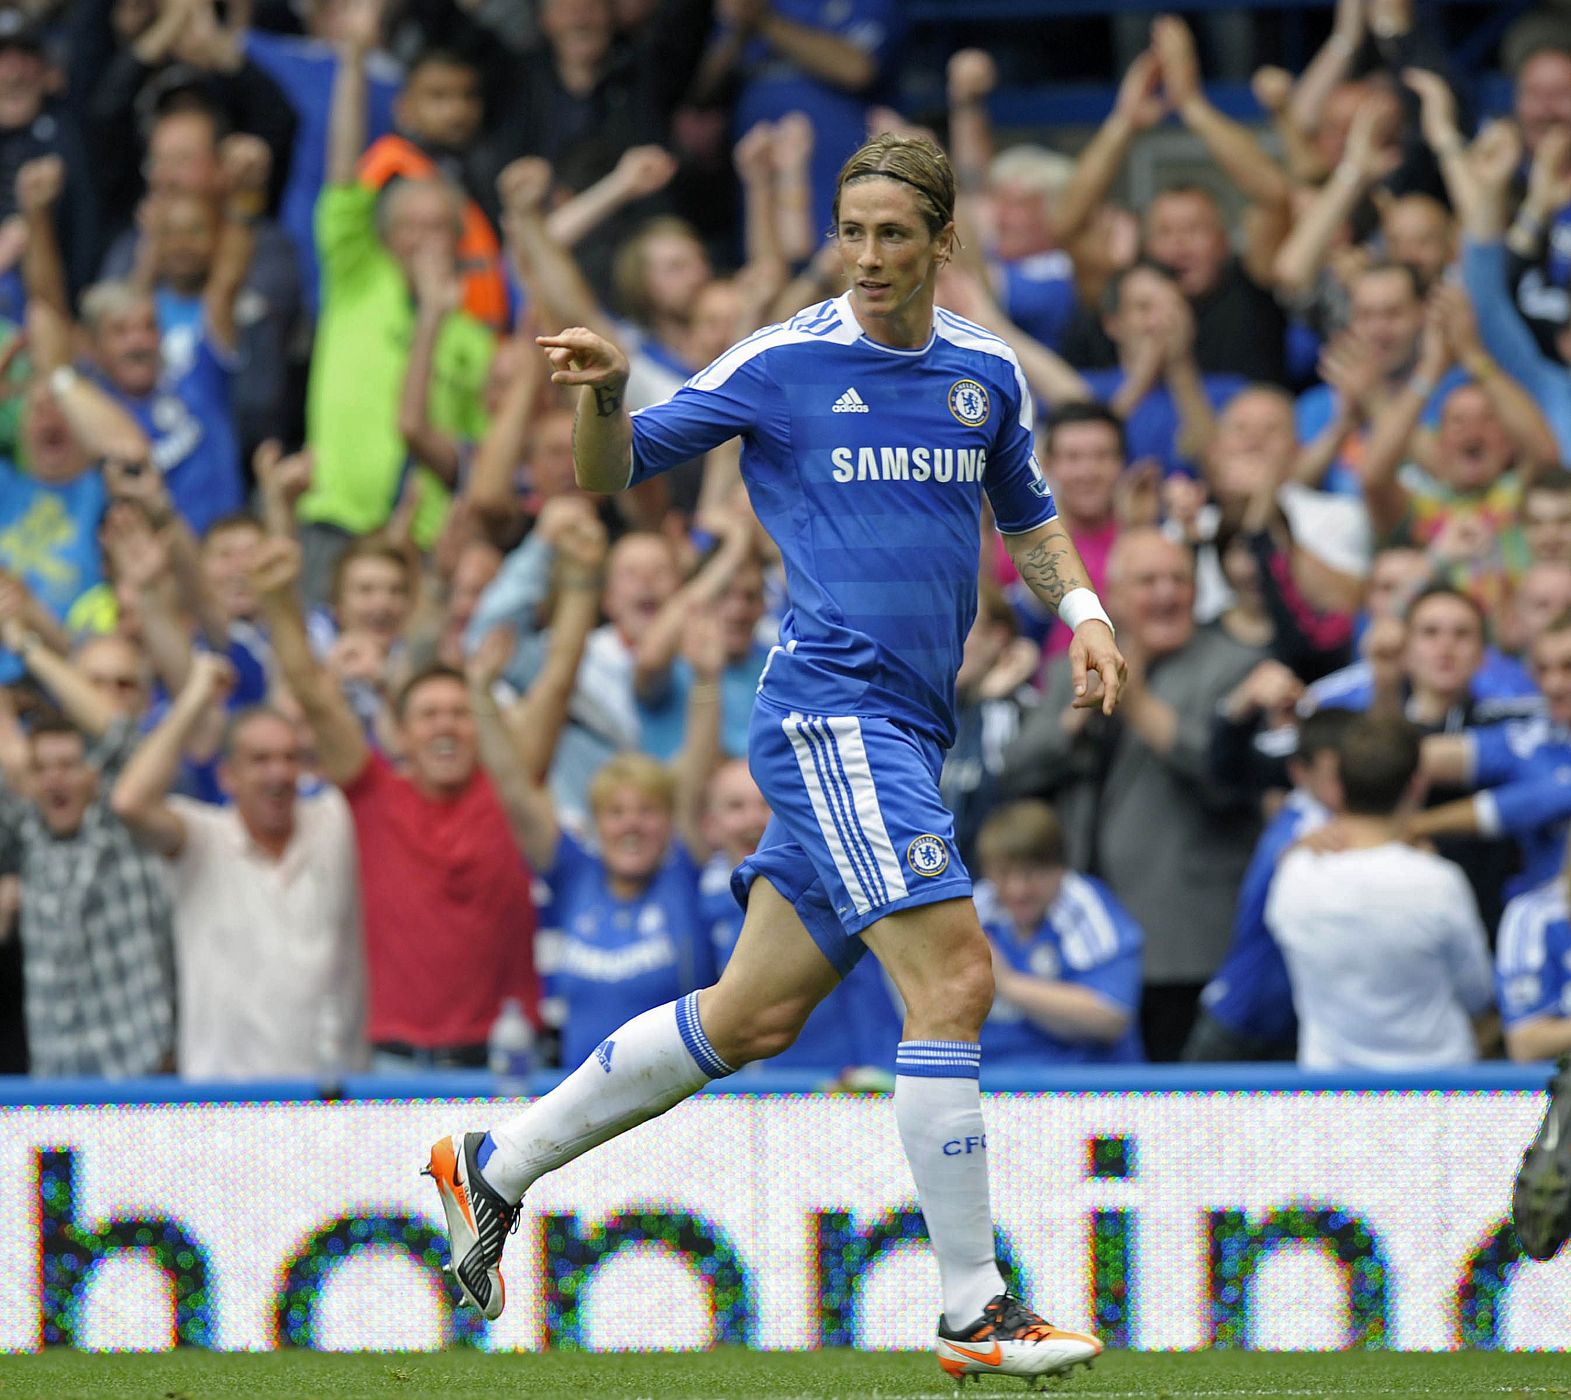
(1082, 605)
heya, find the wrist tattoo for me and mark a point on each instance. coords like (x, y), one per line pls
(607, 400)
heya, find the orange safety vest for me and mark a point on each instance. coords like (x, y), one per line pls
(479, 249)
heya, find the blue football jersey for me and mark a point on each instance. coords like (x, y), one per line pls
(619, 957)
(867, 466)
(1533, 956)
(1088, 939)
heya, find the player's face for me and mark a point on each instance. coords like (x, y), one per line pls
(635, 831)
(1026, 891)
(890, 259)
(439, 735)
(262, 774)
(737, 813)
(1546, 523)
(1445, 645)
(1552, 672)
(64, 780)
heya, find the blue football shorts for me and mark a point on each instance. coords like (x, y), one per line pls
(858, 830)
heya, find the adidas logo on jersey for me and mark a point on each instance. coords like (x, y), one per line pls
(850, 402)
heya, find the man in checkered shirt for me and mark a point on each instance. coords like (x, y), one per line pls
(97, 931)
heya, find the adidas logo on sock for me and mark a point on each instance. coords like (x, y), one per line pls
(850, 402)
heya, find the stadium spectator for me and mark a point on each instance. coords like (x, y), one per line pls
(266, 895)
(376, 249)
(439, 113)
(1538, 236)
(97, 951)
(183, 159)
(1066, 953)
(1246, 1010)
(1387, 956)
(1239, 329)
(1533, 973)
(1168, 407)
(1178, 877)
(439, 868)
(1084, 458)
(306, 68)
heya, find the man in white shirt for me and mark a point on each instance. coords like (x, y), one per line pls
(1384, 947)
(266, 892)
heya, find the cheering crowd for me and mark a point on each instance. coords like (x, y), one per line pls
(334, 715)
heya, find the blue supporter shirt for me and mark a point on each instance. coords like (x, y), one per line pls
(866, 465)
(49, 539)
(773, 86)
(1088, 939)
(857, 1024)
(662, 724)
(1533, 956)
(1525, 769)
(1251, 994)
(305, 69)
(1038, 294)
(1152, 428)
(1499, 690)
(189, 421)
(620, 957)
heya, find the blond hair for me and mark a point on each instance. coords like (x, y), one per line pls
(639, 771)
(913, 161)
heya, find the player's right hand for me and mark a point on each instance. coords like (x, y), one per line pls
(579, 356)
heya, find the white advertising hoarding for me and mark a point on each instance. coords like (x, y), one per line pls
(1285, 1220)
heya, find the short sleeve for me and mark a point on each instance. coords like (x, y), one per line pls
(1015, 484)
(715, 405)
(1529, 805)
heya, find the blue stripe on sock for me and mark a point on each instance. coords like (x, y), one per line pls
(939, 1059)
(484, 1151)
(697, 1042)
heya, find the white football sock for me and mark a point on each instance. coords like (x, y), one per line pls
(939, 1109)
(636, 1073)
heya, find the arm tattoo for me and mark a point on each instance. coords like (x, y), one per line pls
(607, 401)
(1050, 568)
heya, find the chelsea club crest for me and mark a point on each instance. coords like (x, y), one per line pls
(968, 402)
(928, 856)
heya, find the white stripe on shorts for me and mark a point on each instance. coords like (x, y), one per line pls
(810, 754)
(846, 732)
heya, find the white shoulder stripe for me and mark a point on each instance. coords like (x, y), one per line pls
(970, 336)
(1086, 930)
(793, 332)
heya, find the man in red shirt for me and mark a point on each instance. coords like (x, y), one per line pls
(449, 921)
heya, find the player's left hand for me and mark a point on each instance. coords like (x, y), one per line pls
(1096, 666)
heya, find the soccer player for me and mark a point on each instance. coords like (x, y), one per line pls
(871, 425)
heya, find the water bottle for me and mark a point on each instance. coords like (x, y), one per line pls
(511, 1051)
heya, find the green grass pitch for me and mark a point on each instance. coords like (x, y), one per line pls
(738, 1375)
